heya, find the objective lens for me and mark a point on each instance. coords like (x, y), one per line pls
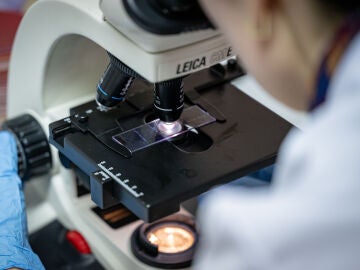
(171, 238)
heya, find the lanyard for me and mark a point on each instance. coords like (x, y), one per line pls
(333, 56)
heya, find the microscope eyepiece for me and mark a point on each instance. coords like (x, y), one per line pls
(169, 99)
(167, 17)
(114, 83)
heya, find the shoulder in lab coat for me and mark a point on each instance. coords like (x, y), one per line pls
(310, 217)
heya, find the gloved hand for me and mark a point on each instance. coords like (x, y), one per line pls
(15, 250)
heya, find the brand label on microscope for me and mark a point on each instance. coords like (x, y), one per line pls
(203, 61)
(191, 65)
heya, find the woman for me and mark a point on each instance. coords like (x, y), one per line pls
(307, 54)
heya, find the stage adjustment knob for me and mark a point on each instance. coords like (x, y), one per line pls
(34, 156)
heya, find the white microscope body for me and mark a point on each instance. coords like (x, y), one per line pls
(57, 59)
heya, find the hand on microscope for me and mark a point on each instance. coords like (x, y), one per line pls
(15, 250)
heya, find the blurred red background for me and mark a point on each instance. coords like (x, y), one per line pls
(9, 22)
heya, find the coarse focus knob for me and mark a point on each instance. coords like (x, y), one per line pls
(34, 156)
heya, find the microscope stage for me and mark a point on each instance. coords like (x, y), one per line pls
(152, 182)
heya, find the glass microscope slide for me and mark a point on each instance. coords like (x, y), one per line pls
(150, 134)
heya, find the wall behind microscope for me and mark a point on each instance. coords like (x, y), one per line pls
(10, 15)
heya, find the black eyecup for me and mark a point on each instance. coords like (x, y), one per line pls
(167, 17)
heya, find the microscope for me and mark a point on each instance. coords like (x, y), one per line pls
(136, 101)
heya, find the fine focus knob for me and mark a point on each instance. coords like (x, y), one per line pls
(34, 156)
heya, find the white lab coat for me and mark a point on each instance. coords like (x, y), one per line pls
(310, 217)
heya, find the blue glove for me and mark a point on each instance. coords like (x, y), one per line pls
(15, 250)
